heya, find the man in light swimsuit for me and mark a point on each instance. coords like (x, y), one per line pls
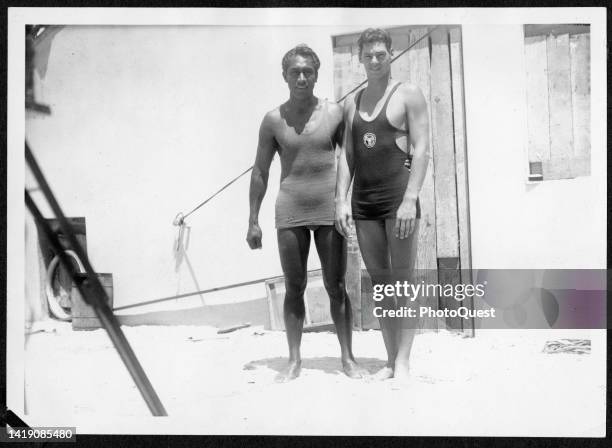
(382, 121)
(304, 131)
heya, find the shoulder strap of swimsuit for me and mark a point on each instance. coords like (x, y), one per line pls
(389, 97)
(358, 98)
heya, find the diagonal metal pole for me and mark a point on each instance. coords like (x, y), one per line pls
(89, 286)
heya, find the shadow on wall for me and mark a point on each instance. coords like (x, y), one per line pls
(254, 312)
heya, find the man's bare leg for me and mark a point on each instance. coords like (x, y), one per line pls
(403, 258)
(331, 248)
(373, 246)
(293, 246)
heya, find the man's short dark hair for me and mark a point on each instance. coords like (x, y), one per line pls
(304, 51)
(374, 35)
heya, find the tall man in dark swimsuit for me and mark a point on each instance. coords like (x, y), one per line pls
(382, 121)
(304, 131)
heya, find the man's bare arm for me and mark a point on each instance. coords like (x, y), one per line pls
(336, 117)
(418, 124)
(259, 178)
(417, 117)
(344, 220)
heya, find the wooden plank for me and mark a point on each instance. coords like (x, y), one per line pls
(42, 277)
(580, 67)
(461, 165)
(560, 106)
(460, 148)
(449, 274)
(557, 168)
(346, 39)
(447, 234)
(357, 70)
(468, 326)
(400, 69)
(426, 264)
(538, 118)
(83, 315)
(581, 166)
(342, 70)
(558, 28)
(353, 280)
(278, 304)
(307, 319)
(368, 320)
(316, 301)
(275, 293)
(86, 323)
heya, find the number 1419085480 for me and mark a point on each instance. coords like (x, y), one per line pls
(46, 434)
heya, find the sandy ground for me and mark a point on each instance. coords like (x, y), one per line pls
(499, 383)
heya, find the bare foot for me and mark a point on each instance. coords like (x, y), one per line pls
(383, 374)
(353, 370)
(401, 376)
(291, 372)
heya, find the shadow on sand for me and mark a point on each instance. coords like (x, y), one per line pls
(327, 364)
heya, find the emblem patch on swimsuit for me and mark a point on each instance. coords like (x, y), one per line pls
(369, 139)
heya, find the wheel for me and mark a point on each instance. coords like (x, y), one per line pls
(57, 310)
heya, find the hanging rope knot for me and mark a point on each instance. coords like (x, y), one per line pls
(179, 219)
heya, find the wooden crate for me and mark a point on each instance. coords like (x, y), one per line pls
(83, 315)
(316, 302)
(368, 320)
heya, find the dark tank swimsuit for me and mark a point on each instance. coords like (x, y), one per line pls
(382, 169)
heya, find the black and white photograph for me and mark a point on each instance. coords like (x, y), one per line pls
(307, 221)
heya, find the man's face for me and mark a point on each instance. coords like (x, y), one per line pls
(376, 59)
(301, 76)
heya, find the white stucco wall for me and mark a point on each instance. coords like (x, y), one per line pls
(550, 224)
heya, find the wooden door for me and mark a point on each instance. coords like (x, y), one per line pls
(435, 65)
